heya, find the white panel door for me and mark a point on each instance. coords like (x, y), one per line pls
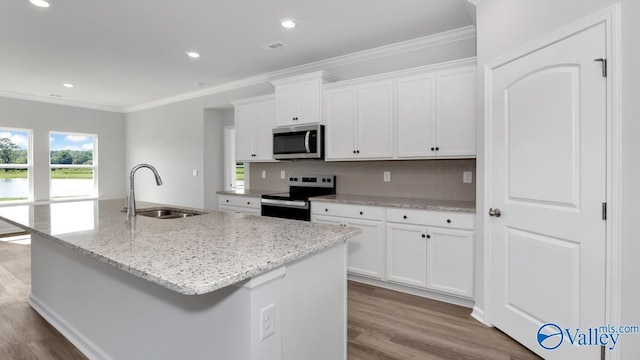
(416, 121)
(407, 254)
(456, 112)
(340, 117)
(265, 122)
(375, 120)
(245, 133)
(450, 261)
(364, 251)
(548, 172)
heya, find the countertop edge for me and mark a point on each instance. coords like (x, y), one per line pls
(394, 203)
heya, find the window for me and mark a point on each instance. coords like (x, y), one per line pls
(234, 171)
(74, 167)
(16, 184)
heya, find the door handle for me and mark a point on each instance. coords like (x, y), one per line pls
(306, 141)
(494, 212)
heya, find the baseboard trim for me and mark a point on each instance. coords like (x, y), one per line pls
(478, 314)
(468, 303)
(84, 345)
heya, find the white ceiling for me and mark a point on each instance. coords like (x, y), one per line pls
(123, 53)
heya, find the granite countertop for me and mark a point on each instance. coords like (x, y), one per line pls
(246, 192)
(193, 255)
(406, 203)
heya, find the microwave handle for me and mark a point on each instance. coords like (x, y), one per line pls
(306, 141)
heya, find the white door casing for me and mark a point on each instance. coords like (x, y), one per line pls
(548, 121)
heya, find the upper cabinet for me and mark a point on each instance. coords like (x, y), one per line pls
(422, 113)
(359, 121)
(255, 119)
(299, 99)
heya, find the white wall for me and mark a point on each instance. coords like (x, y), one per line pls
(213, 157)
(43, 118)
(503, 25)
(172, 137)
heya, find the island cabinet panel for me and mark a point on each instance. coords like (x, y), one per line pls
(365, 251)
(254, 123)
(239, 204)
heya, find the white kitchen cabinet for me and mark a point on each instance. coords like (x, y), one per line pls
(406, 254)
(359, 121)
(299, 99)
(254, 123)
(239, 204)
(431, 250)
(436, 114)
(364, 251)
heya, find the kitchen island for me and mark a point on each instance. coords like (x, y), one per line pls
(214, 286)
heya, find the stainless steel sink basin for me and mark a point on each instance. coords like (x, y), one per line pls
(167, 213)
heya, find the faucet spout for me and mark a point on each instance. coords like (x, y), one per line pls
(131, 206)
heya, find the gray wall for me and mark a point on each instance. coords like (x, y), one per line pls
(504, 25)
(172, 137)
(44, 117)
(426, 179)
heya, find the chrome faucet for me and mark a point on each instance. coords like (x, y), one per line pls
(131, 207)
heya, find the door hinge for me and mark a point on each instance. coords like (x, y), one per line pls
(604, 66)
(604, 211)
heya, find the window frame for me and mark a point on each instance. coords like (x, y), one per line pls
(28, 166)
(93, 166)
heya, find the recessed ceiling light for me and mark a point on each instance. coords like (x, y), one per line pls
(40, 3)
(193, 54)
(288, 23)
(68, 85)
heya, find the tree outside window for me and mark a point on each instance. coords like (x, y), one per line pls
(15, 165)
(73, 165)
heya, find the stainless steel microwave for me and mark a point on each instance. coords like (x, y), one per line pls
(298, 142)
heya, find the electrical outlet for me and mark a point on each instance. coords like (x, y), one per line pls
(283, 174)
(195, 172)
(387, 176)
(467, 177)
(264, 174)
(267, 321)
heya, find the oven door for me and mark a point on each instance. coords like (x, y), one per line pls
(301, 142)
(287, 209)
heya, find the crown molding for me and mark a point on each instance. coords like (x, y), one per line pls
(58, 101)
(473, 2)
(464, 33)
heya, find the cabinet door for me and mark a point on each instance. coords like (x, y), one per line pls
(286, 104)
(416, 109)
(375, 120)
(265, 122)
(309, 101)
(456, 112)
(340, 118)
(407, 254)
(364, 251)
(245, 132)
(450, 261)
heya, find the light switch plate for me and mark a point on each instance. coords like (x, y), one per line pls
(195, 172)
(264, 174)
(467, 177)
(283, 174)
(387, 176)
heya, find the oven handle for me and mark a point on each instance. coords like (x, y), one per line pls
(286, 203)
(306, 141)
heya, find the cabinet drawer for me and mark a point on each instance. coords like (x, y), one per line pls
(242, 201)
(431, 218)
(344, 210)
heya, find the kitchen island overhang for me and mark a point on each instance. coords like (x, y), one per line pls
(167, 289)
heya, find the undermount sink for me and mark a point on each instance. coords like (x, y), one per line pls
(167, 213)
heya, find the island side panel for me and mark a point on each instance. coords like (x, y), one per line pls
(314, 312)
(110, 314)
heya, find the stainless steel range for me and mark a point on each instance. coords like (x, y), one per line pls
(295, 204)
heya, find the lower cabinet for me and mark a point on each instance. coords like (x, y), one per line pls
(427, 250)
(364, 251)
(240, 204)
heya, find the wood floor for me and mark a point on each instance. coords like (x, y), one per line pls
(383, 324)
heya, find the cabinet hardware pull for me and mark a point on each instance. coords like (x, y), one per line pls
(428, 236)
(404, 217)
(326, 210)
(360, 212)
(424, 236)
(448, 221)
(433, 149)
(437, 148)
